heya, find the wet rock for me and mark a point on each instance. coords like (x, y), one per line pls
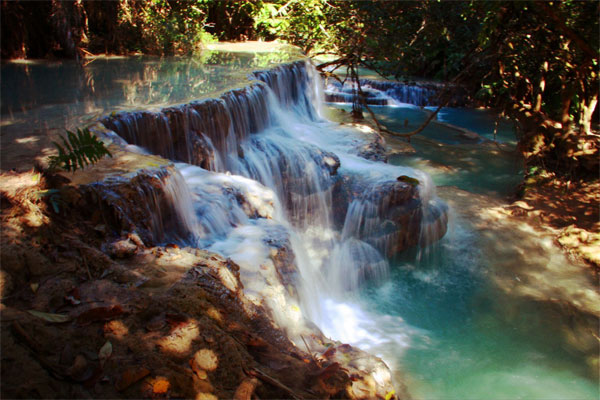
(255, 205)
(373, 151)
(284, 261)
(391, 216)
(331, 162)
(141, 203)
(124, 248)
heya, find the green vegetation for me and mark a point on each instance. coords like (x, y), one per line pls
(534, 61)
(80, 149)
(407, 179)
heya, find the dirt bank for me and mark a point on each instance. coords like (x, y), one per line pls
(91, 312)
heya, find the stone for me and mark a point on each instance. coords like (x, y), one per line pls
(122, 249)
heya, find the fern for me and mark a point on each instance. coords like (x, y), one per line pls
(78, 150)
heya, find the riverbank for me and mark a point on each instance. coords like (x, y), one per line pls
(89, 258)
(117, 257)
(567, 210)
(86, 313)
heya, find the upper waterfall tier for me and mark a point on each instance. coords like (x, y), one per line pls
(272, 131)
(208, 132)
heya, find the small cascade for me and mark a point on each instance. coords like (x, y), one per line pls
(295, 86)
(286, 194)
(390, 93)
(418, 95)
(205, 133)
(300, 173)
(156, 204)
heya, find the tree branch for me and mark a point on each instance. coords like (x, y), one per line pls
(583, 45)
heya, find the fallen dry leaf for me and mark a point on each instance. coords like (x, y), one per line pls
(161, 386)
(246, 389)
(81, 370)
(156, 324)
(131, 376)
(197, 370)
(116, 327)
(105, 352)
(54, 318)
(99, 314)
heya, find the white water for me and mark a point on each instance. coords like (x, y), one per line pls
(273, 181)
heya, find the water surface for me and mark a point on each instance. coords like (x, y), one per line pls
(40, 98)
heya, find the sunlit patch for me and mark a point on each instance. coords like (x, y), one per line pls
(9, 121)
(206, 359)
(29, 139)
(206, 396)
(364, 128)
(213, 313)
(180, 340)
(117, 328)
(381, 375)
(228, 279)
(364, 388)
(24, 61)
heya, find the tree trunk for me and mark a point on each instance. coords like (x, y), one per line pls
(541, 88)
(587, 110)
(567, 92)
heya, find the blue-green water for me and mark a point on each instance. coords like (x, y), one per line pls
(40, 99)
(464, 337)
(479, 166)
(461, 346)
(439, 318)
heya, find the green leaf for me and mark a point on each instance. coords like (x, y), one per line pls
(80, 150)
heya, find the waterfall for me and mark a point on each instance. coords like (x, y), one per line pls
(391, 93)
(268, 177)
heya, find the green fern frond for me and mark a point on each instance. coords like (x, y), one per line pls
(78, 150)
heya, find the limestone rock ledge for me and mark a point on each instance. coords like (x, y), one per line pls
(97, 303)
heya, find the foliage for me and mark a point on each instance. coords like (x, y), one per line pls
(54, 198)
(78, 150)
(535, 61)
(174, 27)
(301, 22)
(163, 27)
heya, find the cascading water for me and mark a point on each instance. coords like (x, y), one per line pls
(487, 312)
(391, 93)
(303, 185)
